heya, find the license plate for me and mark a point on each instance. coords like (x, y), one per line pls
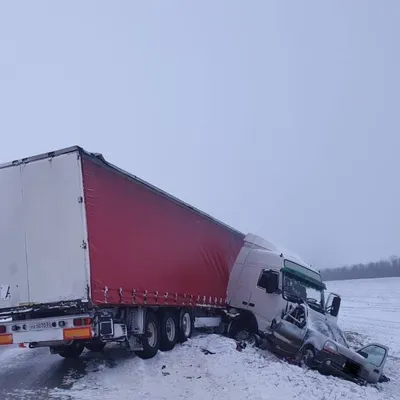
(40, 325)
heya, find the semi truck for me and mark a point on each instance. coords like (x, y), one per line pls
(91, 254)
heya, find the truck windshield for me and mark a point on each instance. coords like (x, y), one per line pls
(294, 289)
(302, 283)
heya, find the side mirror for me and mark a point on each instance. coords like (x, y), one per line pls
(335, 306)
(272, 282)
(269, 281)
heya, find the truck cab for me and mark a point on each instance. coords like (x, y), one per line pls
(265, 283)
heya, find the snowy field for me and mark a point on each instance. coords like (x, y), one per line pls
(370, 312)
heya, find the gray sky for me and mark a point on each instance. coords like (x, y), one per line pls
(280, 118)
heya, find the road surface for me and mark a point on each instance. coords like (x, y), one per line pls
(34, 374)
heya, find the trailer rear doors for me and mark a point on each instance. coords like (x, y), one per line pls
(43, 240)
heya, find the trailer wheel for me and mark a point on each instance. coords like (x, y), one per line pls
(151, 338)
(72, 351)
(168, 331)
(185, 326)
(95, 347)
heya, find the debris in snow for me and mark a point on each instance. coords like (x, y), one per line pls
(291, 360)
(205, 351)
(241, 346)
(215, 344)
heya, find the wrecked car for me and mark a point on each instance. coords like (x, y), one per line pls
(316, 341)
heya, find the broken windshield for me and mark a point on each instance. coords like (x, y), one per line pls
(319, 323)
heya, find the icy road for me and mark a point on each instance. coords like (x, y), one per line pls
(370, 312)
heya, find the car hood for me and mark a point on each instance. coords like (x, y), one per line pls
(321, 324)
(352, 355)
(329, 329)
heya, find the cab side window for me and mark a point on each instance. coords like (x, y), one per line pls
(269, 281)
(263, 281)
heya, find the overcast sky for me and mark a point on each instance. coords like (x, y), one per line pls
(280, 118)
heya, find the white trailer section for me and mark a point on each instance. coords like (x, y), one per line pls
(43, 235)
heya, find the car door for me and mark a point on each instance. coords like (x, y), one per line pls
(291, 329)
(376, 355)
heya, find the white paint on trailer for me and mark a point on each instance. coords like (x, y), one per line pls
(13, 263)
(43, 231)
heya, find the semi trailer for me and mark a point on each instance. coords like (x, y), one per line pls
(91, 254)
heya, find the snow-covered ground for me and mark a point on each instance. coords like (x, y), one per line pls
(370, 312)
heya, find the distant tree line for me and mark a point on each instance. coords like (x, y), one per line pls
(379, 269)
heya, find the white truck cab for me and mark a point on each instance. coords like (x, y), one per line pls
(264, 283)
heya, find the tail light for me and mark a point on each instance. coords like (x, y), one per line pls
(3, 329)
(330, 347)
(82, 321)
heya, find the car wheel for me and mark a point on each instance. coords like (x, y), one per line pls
(307, 358)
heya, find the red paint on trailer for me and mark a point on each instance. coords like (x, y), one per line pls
(155, 249)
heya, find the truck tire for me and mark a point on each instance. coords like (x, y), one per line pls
(185, 326)
(72, 351)
(151, 338)
(95, 347)
(244, 330)
(241, 334)
(168, 331)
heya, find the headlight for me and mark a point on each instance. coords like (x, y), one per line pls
(330, 347)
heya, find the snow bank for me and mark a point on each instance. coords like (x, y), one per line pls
(370, 311)
(209, 366)
(190, 371)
